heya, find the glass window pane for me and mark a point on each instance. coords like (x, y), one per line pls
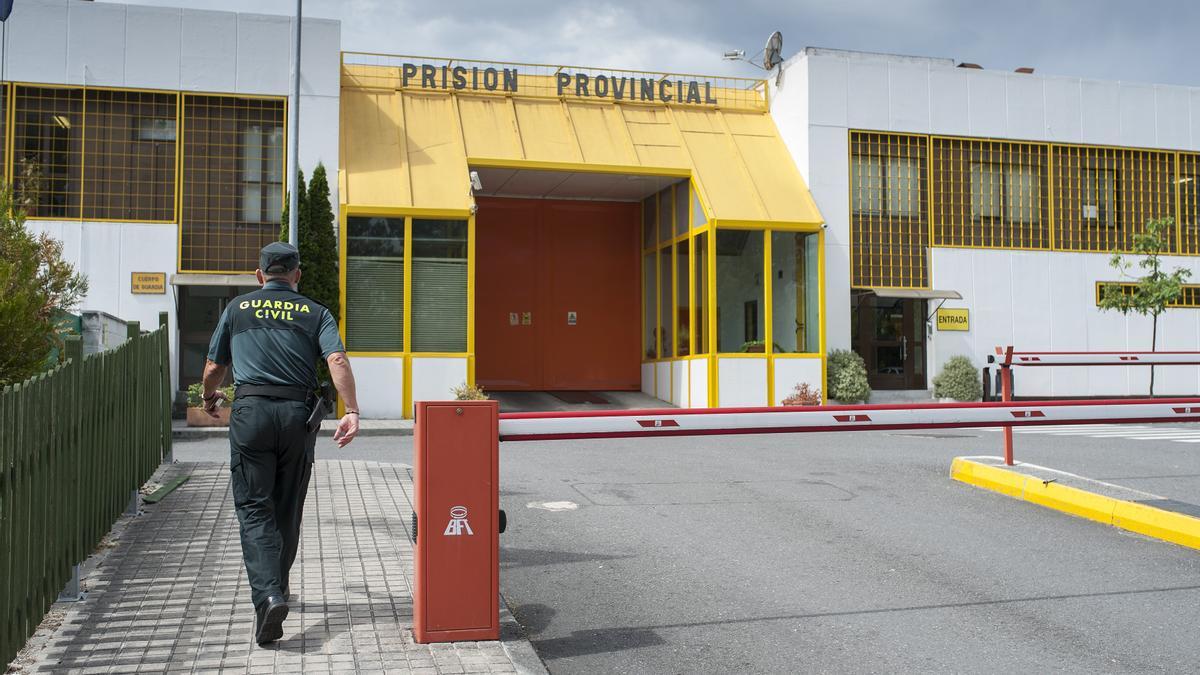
(795, 322)
(650, 306)
(274, 155)
(439, 285)
(252, 153)
(739, 291)
(1022, 201)
(129, 155)
(374, 284)
(683, 305)
(48, 151)
(664, 215)
(985, 191)
(812, 289)
(681, 208)
(903, 188)
(700, 268)
(1098, 196)
(251, 202)
(698, 217)
(224, 156)
(664, 302)
(649, 211)
(866, 184)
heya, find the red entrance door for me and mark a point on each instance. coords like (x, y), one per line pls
(556, 299)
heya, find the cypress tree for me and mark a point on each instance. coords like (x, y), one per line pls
(319, 251)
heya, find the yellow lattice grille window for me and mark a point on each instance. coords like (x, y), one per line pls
(1102, 196)
(990, 194)
(1189, 298)
(1188, 183)
(888, 215)
(129, 155)
(233, 181)
(48, 150)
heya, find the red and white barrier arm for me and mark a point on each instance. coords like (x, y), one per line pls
(1095, 358)
(717, 421)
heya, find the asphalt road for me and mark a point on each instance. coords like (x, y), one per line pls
(832, 553)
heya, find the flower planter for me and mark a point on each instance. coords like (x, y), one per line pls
(196, 417)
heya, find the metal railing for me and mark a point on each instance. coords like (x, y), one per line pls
(76, 443)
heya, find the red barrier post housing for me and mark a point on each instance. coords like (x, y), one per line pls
(456, 478)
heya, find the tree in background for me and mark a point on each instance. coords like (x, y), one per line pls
(321, 281)
(301, 221)
(1151, 293)
(317, 243)
(36, 285)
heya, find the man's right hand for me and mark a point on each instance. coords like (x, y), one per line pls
(347, 429)
(211, 404)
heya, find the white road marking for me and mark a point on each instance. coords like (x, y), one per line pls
(1136, 432)
(553, 506)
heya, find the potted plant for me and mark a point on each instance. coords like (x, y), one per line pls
(803, 394)
(469, 392)
(958, 381)
(196, 417)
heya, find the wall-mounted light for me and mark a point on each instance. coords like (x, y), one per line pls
(62, 121)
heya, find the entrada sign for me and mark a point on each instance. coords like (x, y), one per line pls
(507, 80)
(953, 319)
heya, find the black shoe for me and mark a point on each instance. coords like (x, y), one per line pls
(270, 616)
(287, 594)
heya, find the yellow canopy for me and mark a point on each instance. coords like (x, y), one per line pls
(406, 148)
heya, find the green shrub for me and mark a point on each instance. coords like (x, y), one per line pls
(846, 377)
(958, 380)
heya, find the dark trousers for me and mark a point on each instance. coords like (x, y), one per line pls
(270, 463)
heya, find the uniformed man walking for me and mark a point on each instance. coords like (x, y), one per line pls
(273, 337)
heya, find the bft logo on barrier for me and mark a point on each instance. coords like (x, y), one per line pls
(458, 522)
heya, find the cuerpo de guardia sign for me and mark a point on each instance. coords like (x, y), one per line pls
(659, 89)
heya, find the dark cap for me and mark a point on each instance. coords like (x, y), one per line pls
(278, 256)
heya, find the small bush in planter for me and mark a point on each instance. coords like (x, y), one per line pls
(846, 377)
(469, 392)
(803, 394)
(958, 380)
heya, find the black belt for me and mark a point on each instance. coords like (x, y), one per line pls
(273, 391)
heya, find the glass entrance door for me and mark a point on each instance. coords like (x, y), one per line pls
(890, 336)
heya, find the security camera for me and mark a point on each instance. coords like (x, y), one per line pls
(824, 226)
(476, 184)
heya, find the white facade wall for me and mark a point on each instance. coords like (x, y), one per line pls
(380, 386)
(132, 46)
(1034, 300)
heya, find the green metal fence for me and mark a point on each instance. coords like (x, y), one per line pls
(76, 443)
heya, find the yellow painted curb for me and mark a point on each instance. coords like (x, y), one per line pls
(1176, 528)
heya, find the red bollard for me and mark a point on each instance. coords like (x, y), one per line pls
(1006, 396)
(457, 521)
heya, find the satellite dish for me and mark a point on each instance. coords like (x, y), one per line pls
(771, 56)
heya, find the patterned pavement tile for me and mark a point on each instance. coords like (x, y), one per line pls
(172, 595)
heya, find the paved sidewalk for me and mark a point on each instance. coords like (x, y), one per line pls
(171, 596)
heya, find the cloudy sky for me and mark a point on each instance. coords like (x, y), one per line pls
(1137, 40)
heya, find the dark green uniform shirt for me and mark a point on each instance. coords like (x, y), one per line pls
(274, 336)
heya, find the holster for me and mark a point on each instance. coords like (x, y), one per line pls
(321, 406)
